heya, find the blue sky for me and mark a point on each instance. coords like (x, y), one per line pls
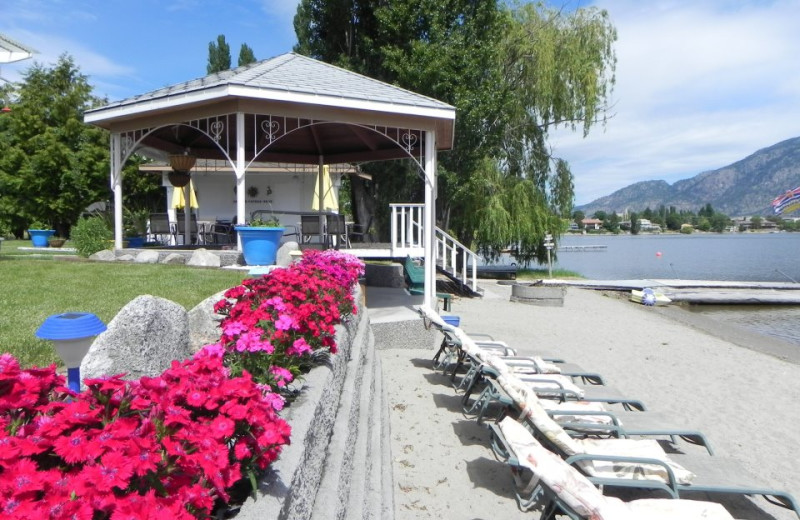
(700, 84)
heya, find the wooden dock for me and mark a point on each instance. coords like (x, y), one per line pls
(716, 292)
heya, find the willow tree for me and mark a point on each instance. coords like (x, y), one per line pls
(513, 74)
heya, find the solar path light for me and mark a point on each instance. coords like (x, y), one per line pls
(72, 334)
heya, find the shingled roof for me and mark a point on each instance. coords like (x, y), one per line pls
(281, 77)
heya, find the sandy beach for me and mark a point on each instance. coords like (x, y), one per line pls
(739, 389)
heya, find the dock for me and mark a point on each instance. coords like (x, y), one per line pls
(714, 292)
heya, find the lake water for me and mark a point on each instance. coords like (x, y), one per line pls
(730, 256)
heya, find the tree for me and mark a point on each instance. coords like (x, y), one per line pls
(219, 55)
(513, 74)
(52, 165)
(577, 217)
(756, 222)
(246, 55)
(636, 225)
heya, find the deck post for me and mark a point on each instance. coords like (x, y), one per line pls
(429, 231)
(116, 187)
(241, 218)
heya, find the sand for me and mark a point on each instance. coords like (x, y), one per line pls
(743, 399)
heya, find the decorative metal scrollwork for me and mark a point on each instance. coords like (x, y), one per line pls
(271, 128)
(217, 127)
(409, 141)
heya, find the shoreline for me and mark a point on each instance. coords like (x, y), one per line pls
(737, 335)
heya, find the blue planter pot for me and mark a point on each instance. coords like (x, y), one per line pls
(135, 241)
(260, 244)
(39, 236)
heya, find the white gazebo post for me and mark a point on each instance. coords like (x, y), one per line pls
(240, 167)
(116, 187)
(429, 218)
(320, 197)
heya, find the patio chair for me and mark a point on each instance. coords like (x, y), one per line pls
(180, 229)
(336, 231)
(222, 233)
(360, 232)
(160, 229)
(642, 463)
(309, 228)
(544, 481)
(592, 419)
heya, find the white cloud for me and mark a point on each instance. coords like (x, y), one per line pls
(699, 85)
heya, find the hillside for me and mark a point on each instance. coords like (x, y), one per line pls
(745, 187)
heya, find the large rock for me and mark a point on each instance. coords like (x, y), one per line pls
(174, 258)
(147, 257)
(142, 340)
(284, 257)
(204, 323)
(203, 258)
(106, 255)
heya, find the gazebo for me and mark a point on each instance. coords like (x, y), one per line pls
(287, 109)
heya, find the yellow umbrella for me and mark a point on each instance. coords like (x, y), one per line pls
(329, 199)
(179, 199)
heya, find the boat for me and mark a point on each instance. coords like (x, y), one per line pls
(648, 296)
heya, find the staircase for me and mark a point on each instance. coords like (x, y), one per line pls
(453, 259)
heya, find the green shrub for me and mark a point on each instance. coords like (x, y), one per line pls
(687, 230)
(90, 235)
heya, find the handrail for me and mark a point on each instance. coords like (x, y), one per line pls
(408, 239)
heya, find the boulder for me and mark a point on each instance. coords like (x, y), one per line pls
(147, 257)
(204, 323)
(204, 258)
(284, 257)
(142, 340)
(127, 257)
(106, 255)
(174, 258)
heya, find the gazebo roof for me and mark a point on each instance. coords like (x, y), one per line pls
(321, 107)
(11, 51)
(290, 75)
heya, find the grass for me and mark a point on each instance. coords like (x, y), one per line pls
(537, 274)
(33, 288)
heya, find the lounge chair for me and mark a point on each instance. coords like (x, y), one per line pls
(642, 464)
(558, 488)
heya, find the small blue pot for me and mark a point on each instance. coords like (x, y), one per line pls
(39, 236)
(260, 244)
(135, 241)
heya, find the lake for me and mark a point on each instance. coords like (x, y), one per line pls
(730, 256)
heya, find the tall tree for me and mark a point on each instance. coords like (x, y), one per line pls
(513, 74)
(246, 55)
(219, 55)
(52, 165)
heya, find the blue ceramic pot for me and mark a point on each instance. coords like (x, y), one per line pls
(39, 236)
(260, 244)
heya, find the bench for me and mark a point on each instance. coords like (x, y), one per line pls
(415, 278)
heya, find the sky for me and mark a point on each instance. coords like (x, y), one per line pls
(699, 84)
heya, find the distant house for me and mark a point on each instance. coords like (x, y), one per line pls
(592, 223)
(646, 225)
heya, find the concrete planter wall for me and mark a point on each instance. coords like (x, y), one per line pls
(543, 295)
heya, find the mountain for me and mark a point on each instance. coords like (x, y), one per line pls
(746, 187)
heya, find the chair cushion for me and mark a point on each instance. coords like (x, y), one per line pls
(563, 417)
(639, 448)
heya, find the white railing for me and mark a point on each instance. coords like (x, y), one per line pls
(447, 252)
(408, 239)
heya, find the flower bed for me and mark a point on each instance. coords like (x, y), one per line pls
(171, 446)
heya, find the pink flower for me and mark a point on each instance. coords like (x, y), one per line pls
(299, 348)
(232, 328)
(284, 322)
(281, 375)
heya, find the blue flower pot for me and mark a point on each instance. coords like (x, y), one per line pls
(39, 236)
(260, 244)
(135, 241)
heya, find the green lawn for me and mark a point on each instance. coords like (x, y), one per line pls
(537, 274)
(33, 288)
